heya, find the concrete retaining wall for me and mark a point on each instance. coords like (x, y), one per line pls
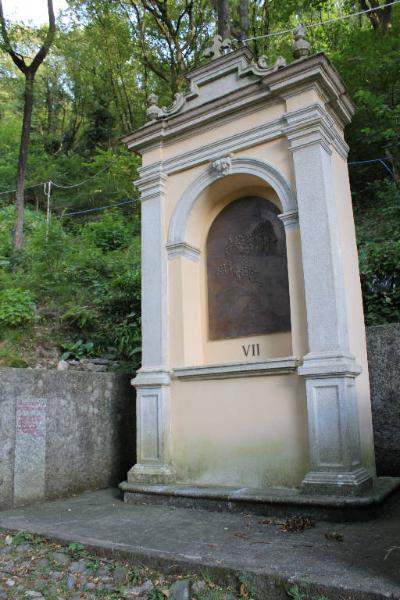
(384, 370)
(63, 432)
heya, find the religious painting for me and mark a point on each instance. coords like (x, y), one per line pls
(248, 290)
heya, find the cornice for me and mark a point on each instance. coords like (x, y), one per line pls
(273, 366)
(315, 70)
(319, 70)
(221, 109)
(289, 124)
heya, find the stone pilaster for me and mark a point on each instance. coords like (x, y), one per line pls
(153, 380)
(329, 368)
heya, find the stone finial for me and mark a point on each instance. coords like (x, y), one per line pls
(279, 63)
(217, 48)
(301, 47)
(153, 111)
(262, 62)
(222, 166)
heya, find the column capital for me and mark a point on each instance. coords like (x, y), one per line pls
(152, 185)
(290, 219)
(176, 249)
(313, 125)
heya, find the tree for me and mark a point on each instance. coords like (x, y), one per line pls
(380, 18)
(223, 18)
(29, 71)
(181, 27)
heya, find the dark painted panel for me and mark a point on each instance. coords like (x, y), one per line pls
(248, 291)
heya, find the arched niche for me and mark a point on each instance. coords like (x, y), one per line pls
(190, 342)
(248, 168)
(247, 278)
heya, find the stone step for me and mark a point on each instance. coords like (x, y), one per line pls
(267, 502)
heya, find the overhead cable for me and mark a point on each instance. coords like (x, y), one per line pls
(87, 210)
(319, 23)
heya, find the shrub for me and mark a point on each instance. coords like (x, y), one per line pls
(16, 307)
(380, 279)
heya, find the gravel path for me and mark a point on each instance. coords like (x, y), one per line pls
(33, 567)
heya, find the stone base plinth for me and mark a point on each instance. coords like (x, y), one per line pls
(267, 502)
(151, 474)
(353, 483)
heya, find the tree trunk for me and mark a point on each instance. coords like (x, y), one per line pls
(379, 19)
(244, 19)
(23, 156)
(29, 72)
(224, 29)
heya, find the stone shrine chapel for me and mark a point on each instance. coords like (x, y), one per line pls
(254, 372)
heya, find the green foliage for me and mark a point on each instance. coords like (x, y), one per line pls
(134, 576)
(378, 235)
(11, 358)
(155, 594)
(93, 565)
(16, 307)
(85, 280)
(76, 350)
(77, 550)
(247, 588)
(380, 277)
(297, 593)
(23, 537)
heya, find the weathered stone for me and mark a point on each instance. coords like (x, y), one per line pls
(70, 582)
(30, 449)
(89, 420)
(57, 575)
(7, 449)
(60, 557)
(199, 586)
(180, 590)
(78, 566)
(134, 592)
(43, 562)
(63, 365)
(90, 586)
(120, 574)
(383, 344)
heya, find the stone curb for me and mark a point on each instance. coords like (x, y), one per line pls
(268, 585)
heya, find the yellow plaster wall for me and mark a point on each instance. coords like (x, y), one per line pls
(236, 125)
(356, 328)
(245, 431)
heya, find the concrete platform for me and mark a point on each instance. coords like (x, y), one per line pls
(365, 565)
(268, 502)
